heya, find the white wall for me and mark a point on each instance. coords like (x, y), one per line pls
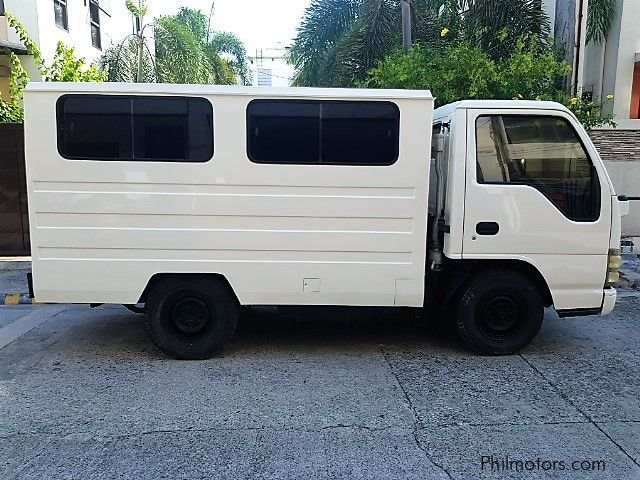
(626, 180)
(26, 11)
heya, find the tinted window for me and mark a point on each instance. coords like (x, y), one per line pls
(284, 132)
(94, 17)
(171, 129)
(60, 13)
(330, 132)
(543, 152)
(96, 127)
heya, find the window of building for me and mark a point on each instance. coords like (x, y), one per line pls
(160, 129)
(60, 12)
(543, 152)
(265, 77)
(94, 17)
(323, 132)
(1, 7)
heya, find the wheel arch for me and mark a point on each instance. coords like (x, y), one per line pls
(467, 269)
(158, 277)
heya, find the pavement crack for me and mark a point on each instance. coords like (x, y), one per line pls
(577, 408)
(417, 422)
(187, 430)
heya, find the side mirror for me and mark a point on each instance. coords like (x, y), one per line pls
(623, 205)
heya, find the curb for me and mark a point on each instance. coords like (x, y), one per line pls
(16, 299)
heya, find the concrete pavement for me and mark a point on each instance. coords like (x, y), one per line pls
(320, 394)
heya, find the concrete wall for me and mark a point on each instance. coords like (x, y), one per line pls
(620, 150)
(599, 70)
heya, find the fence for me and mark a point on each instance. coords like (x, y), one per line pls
(14, 219)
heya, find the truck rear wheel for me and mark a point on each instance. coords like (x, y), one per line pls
(191, 317)
(499, 313)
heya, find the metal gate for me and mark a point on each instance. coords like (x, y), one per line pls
(14, 219)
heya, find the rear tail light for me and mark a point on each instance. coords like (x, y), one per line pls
(613, 267)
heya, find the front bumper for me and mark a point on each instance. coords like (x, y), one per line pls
(608, 301)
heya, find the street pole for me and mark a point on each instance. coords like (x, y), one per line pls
(406, 25)
(140, 29)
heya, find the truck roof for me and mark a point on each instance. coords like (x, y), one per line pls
(447, 110)
(160, 88)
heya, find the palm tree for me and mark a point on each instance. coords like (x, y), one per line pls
(338, 41)
(186, 50)
(600, 16)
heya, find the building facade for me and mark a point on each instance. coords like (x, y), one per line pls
(611, 67)
(89, 26)
(270, 68)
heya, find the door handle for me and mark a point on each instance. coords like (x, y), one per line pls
(487, 228)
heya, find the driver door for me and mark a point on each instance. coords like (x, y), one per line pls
(534, 194)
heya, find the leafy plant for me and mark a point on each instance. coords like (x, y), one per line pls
(591, 113)
(11, 110)
(461, 70)
(338, 41)
(186, 50)
(64, 68)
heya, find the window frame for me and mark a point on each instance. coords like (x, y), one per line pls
(95, 24)
(525, 184)
(60, 128)
(312, 100)
(65, 14)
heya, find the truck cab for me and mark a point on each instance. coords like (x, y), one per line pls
(522, 215)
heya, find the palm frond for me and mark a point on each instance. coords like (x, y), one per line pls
(180, 57)
(324, 23)
(374, 34)
(495, 25)
(194, 20)
(600, 16)
(229, 45)
(138, 9)
(120, 62)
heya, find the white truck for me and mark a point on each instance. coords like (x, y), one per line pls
(197, 200)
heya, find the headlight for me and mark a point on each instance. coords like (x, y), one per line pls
(613, 267)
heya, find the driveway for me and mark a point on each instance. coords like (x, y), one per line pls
(318, 394)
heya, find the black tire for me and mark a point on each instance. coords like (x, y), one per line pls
(499, 312)
(191, 317)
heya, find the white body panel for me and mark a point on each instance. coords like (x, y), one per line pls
(110, 225)
(571, 256)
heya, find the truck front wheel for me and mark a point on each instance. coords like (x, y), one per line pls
(499, 313)
(191, 317)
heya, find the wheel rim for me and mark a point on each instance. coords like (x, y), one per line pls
(500, 317)
(188, 318)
